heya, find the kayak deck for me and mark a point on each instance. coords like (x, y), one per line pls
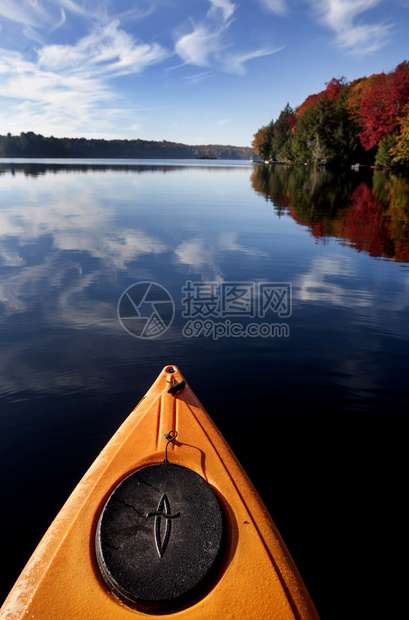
(254, 575)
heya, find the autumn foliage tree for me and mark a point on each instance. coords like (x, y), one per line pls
(345, 123)
(400, 151)
(324, 133)
(262, 143)
(331, 93)
(377, 102)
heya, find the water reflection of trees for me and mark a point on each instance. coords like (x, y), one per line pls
(34, 169)
(37, 169)
(368, 210)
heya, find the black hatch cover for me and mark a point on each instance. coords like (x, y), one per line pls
(160, 537)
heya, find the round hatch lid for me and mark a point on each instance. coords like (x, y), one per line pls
(160, 537)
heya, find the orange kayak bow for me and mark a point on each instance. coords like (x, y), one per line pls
(164, 522)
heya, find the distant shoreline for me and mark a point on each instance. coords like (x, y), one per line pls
(37, 146)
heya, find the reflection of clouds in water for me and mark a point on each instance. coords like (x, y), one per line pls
(78, 223)
(62, 277)
(128, 245)
(14, 288)
(56, 270)
(114, 249)
(202, 257)
(228, 241)
(195, 253)
(50, 212)
(43, 222)
(47, 223)
(10, 258)
(356, 311)
(331, 281)
(316, 285)
(48, 286)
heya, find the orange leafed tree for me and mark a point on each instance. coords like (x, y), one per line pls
(262, 142)
(400, 152)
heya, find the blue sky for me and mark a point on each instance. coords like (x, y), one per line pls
(191, 71)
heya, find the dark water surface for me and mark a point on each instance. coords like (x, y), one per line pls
(316, 409)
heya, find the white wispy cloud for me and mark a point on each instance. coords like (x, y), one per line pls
(208, 45)
(60, 23)
(235, 63)
(36, 19)
(107, 50)
(196, 78)
(352, 34)
(44, 98)
(34, 15)
(197, 47)
(226, 7)
(279, 7)
(62, 83)
(67, 87)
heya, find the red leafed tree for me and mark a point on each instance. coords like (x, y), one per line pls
(334, 88)
(331, 92)
(377, 102)
(311, 99)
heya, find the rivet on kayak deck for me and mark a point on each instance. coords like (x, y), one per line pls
(160, 537)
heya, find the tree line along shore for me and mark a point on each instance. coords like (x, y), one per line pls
(365, 121)
(30, 144)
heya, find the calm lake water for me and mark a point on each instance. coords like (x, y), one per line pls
(282, 294)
